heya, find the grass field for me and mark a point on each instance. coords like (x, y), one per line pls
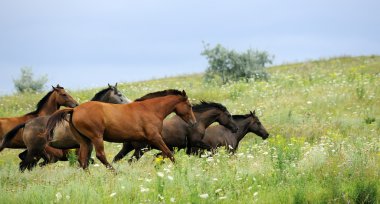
(324, 121)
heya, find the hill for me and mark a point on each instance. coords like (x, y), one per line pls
(323, 117)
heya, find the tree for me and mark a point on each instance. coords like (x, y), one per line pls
(230, 65)
(26, 83)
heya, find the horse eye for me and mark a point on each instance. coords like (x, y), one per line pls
(64, 95)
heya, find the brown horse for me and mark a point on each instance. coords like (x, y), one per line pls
(177, 134)
(50, 103)
(218, 136)
(142, 120)
(36, 142)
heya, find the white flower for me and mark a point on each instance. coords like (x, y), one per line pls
(142, 189)
(309, 102)
(148, 180)
(68, 197)
(170, 178)
(172, 200)
(255, 194)
(160, 196)
(218, 190)
(160, 174)
(96, 165)
(215, 179)
(122, 187)
(112, 194)
(58, 196)
(222, 197)
(204, 196)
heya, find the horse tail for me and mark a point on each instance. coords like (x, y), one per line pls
(10, 135)
(56, 119)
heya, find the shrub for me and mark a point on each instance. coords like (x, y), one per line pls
(228, 65)
(26, 83)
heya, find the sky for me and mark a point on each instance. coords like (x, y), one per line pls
(89, 43)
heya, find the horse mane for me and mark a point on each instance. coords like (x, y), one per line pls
(241, 117)
(42, 102)
(99, 95)
(161, 94)
(204, 106)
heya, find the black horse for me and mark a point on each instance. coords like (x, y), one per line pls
(218, 136)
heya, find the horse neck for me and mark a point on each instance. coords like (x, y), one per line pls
(243, 125)
(206, 118)
(163, 106)
(50, 106)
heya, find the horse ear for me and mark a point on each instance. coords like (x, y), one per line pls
(183, 92)
(55, 89)
(109, 86)
(254, 112)
(58, 86)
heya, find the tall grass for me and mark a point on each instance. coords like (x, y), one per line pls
(324, 147)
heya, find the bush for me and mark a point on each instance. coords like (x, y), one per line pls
(229, 65)
(26, 83)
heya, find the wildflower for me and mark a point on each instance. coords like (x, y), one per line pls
(222, 197)
(159, 160)
(255, 194)
(68, 197)
(160, 174)
(309, 102)
(218, 190)
(172, 200)
(160, 196)
(58, 196)
(122, 187)
(113, 194)
(96, 165)
(170, 178)
(142, 189)
(148, 180)
(215, 179)
(204, 196)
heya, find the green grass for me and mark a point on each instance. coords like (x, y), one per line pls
(324, 121)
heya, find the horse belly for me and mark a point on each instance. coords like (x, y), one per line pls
(63, 138)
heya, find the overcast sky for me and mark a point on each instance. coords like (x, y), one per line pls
(81, 44)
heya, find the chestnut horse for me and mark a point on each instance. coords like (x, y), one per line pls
(141, 120)
(219, 136)
(36, 142)
(177, 134)
(50, 103)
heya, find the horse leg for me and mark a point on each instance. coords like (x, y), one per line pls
(30, 160)
(136, 155)
(157, 141)
(23, 154)
(100, 154)
(85, 148)
(127, 147)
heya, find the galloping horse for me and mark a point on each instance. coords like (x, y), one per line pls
(36, 142)
(142, 120)
(217, 136)
(176, 133)
(50, 103)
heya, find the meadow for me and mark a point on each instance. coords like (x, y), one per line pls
(323, 117)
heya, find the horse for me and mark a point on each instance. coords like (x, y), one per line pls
(36, 142)
(218, 136)
(177, 134)
(141, 120)
(50, 103)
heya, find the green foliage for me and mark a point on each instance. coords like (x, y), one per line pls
(229, 65)
(27, 83)
(320, 150)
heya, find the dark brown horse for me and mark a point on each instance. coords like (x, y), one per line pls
(176, 133)
(36, 142)
(50, 103)
(218, 136)
(94, 122)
